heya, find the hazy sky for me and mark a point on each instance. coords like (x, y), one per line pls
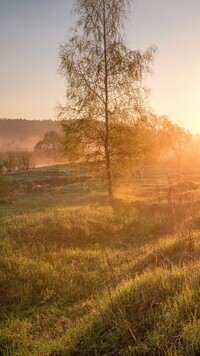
(30, 34)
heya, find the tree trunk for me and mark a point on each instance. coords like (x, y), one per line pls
(108, 174)
(107, 151)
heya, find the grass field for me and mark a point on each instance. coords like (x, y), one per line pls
(81, 276)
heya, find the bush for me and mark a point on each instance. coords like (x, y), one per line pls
(19, 161)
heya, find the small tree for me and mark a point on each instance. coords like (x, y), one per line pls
(173, 139)
(104, 86)
(49, 143)
(11, 162)
(27, 160)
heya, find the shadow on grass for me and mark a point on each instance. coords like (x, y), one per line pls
(177, 253)
(139, 309)
(115, 225)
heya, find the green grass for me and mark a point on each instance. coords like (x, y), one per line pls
(79, 276)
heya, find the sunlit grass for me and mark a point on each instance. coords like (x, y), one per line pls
(82, 276)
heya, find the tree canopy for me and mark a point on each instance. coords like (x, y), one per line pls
(50, 142)
(104, 91)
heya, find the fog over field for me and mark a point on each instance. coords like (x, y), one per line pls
(18, 134)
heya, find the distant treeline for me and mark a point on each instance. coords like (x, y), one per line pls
(23, 134)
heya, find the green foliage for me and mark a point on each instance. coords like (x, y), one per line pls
(131, 145)
(104, 88)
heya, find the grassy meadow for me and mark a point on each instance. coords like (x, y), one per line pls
(81, 276)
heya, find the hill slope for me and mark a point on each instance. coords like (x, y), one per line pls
(82, 277)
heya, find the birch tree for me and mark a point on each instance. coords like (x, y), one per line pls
(104, 91)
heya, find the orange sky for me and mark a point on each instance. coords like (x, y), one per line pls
(32, 30)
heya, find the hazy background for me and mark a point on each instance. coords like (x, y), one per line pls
(30, 34)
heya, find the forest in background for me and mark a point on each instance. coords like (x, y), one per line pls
(23, 134)
(167, 146)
